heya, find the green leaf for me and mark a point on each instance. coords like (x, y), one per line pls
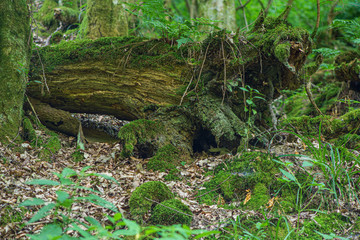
(205, 234)
(93, 221)
(84, 233)
(68, 172)
(43, 212)
(107, 177)
(307, 164)
(117, 216)
(62, 196)
(133, 229)
(244, 89)
(43, 182)
(66, 181)
(288, 175)
(99, 201)
(84, 169)
(51, 231)
(32, 202)
(182, 41)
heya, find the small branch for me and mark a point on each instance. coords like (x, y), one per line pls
(313, 34)
(243, 10)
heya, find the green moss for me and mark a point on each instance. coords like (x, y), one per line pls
(166, 158)
(46, 14)
(108, 49)
(251, 170)
(326, 224)
(173, 175)
(259, 197)
(171, 212)
(330, 126)
(77, 156)
(29, 133)
(146, 196)
(282, 52)
(51, 147)
(270, 32)
(10, 214)
(56, 38)
(138, 132)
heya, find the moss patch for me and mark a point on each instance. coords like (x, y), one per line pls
(326, 224)
(52, 146)
(252, 170)
(330, 126)
(171, 212)
(138, 132)
(10, 214)
(146, 196)
(166, 158)
(110, 50)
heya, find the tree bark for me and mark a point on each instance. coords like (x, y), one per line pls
(105, 18)
(15, 41)
(224, 11)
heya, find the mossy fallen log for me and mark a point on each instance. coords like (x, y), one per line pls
(133, 78)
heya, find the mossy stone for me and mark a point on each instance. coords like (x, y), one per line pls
(166, 158)
(137, 132)
(251, 170)
(171, 212)
(146, 196)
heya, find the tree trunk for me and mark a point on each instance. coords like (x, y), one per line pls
(15, 42)
(105, 18)
(224, 11)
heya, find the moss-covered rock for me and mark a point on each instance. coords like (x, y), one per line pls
(145, 198)
(141, 134)
(166, 158)
(171, 212)
(251, 170)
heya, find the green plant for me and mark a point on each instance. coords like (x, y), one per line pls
(155, 17)
(349, 103)
(325, 170)
(69, 185)
(118, 227)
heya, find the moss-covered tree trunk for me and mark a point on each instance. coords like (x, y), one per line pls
(223, 11)
(105, 18)
(15, 41)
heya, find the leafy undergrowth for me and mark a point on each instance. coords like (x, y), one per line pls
(270, 208)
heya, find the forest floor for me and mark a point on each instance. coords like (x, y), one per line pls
(22, 164)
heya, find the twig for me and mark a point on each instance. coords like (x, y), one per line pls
(243, 10)
(313, 34)
(224, 87)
